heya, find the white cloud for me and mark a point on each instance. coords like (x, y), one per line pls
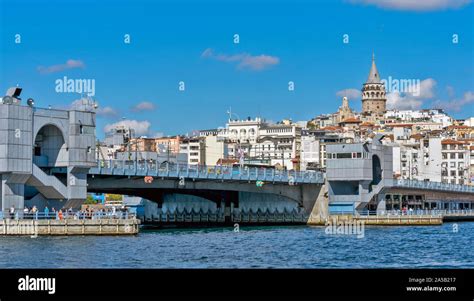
(414, 5)
(456, 105)
(450, 91)
(244, 60)
(70, 64)
(107, 112)
(349, 93)
(143, 106)
(157, 134)
(412, 100)
(142, 128)
(403, 102)
(427, 88)
(258, 62)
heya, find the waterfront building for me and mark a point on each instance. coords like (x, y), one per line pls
(119, 135)
(167, 145)
(35, 142)
(256, 142)
(417, 158)
(216, 148)
(355, 172)
(142, 144)
(455, 161)
(309, 153)
(471, 165)
(194, 148)
(280, 144)
(327, 136)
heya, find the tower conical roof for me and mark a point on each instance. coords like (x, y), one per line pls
(374, 77)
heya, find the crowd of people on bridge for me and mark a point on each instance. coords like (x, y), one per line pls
(64, 213)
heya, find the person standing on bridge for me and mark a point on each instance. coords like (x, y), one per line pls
(34, 212)
(12, 212)
(46, 212)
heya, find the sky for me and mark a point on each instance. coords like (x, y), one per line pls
(139, 55)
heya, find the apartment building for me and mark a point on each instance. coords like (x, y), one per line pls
(194, 148)
(455, 164)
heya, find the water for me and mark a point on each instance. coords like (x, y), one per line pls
(252, 247)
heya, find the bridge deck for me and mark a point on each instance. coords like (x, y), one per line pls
(428, 185)
(131, 168)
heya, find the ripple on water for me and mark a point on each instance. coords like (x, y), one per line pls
(252, 247)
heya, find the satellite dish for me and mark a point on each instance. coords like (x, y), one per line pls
(30, 102)
(8, 100)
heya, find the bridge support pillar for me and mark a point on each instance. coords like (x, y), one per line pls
(12, 190)
(381, 203)
(76, 186)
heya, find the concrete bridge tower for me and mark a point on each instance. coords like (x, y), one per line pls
(35, 143)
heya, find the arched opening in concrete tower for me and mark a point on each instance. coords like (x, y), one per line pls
(50, 149)
(376, 170)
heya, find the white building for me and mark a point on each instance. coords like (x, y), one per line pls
(455, 162)
(216, 148)
(254, 141)
(194, 148)
(309, 152)
(418, 159)
(469, 121)
(416, 116)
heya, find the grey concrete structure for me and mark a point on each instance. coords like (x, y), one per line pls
(239, 192)
(356, 173)
(34, 141)
(360, 177)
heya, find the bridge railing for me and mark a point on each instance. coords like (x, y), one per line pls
(431, 212)
(202, 171)
(432, 185)
(398, 213)
(77, 215)
(455, 212)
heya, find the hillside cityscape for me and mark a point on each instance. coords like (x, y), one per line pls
(428, 144)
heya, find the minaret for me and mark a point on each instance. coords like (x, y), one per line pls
(373, 92)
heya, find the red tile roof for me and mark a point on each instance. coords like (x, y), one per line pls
(351, 120)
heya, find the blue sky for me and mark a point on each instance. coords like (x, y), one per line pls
(193, 42)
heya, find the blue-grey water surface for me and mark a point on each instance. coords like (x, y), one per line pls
(252, 247)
